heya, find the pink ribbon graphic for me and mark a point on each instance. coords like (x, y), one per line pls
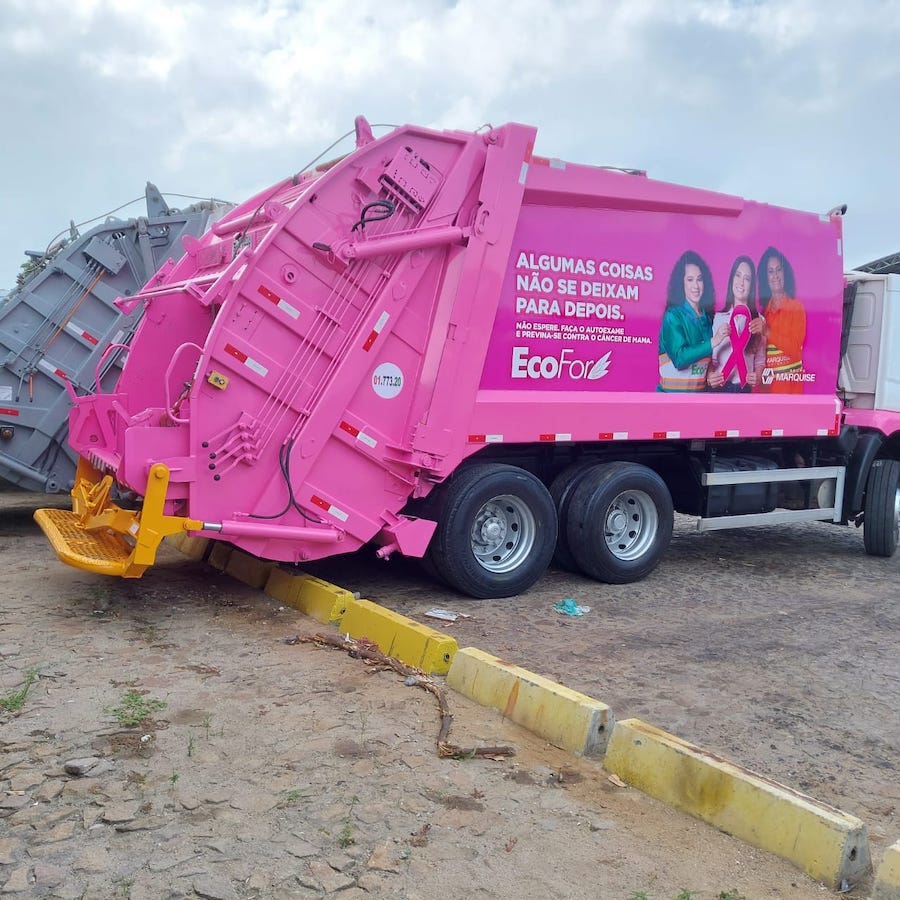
(740, 337)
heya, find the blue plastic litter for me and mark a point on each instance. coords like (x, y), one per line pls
(569, 607)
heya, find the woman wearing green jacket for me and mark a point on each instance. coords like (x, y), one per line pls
(686, 337)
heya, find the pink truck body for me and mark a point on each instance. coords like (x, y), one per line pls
(342, 344)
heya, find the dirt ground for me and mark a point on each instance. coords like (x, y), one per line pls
(279, 770)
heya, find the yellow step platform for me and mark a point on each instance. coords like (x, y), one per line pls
(103, 551)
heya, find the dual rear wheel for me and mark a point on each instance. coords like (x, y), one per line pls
(499, 526)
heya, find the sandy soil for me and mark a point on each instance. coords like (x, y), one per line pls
(774, 647)
(279, 770)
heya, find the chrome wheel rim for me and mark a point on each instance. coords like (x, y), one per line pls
(503, 534)
(631, 525)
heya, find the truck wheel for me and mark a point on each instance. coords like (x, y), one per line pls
(496, 531)
(881, 527)
(561, 490)
(429, 565)
(619, 522)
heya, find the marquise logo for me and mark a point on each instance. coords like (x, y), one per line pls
(561, 366)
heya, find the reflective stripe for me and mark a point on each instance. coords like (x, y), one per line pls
(689, 379)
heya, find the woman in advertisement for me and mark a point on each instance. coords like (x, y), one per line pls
(738, 361)
(785, 323)
(686, 338)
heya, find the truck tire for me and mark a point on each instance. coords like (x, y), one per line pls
(496, 531)
(881, 523)
(561, 490)
(619, 522)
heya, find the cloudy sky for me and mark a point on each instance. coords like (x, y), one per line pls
(791, 102)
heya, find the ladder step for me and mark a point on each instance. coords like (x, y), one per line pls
(103, 552)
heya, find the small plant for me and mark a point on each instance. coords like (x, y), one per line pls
(174, 778)
(346, 836)
(685, 894)
(190, 749)
(294, 796)
(15, 700)
(638, 895)
(207, 721)
(135, 708)
(149, 634)
(730, 895)
(346, 839)
(123, 887)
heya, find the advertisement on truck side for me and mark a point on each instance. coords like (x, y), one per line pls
(606, 300)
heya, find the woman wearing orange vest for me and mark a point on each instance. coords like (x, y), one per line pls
(785, 325)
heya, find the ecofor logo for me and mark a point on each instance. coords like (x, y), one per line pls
(560, 366)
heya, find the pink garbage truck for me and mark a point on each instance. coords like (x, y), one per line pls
(447, 346)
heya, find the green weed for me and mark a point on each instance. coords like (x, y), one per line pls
(15, 700)
(346, 838)
(135, 708)
(123, 887)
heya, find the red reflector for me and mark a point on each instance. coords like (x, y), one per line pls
(237, 354)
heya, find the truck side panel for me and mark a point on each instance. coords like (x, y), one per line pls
(583, 297)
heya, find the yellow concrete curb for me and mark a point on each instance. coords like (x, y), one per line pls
(194, 547)
(219, 555)
(558, 714)
(887, 879)
(318, 599)
(175, 540)
(251, 570)
(829, 845)
(410, 642)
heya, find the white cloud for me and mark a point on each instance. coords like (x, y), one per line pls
(787, 102)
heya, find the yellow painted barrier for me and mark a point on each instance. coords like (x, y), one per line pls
(250, 570)
(558, 714)
(194, 548)
(412, 643)
(318, 599)
(829, 845)
(219, 555)
(887, 878)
